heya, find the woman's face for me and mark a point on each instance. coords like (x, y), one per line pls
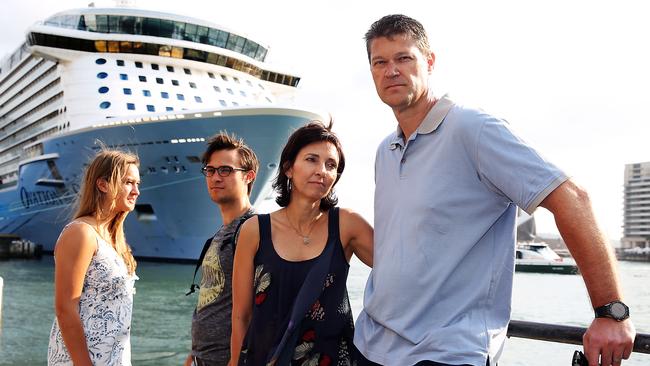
(129, 190)
(314, 170)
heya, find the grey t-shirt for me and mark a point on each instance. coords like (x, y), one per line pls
(211, 322)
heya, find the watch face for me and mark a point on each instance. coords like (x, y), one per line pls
(618, 310)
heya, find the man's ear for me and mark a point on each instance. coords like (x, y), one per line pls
(250, 176)
(431, 61)
(102, 185)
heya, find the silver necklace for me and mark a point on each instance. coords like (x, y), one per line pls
(305, 238)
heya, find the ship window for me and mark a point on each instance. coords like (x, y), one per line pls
(190, 32)
(235, 103)
(211, 75)
(120, 62)
(124, 77)
(223, 102)
(127, 91)
(269, 99)
(130, 106)
(180, 96)
(100, 61)
(102, 75)
(170, 68)
(249, 83)
(250, 48)
(217, 89)
(243, 93)
(187, 71)
(169, 109)
(130, 25)
(236, 80)
(198, 99)
(103, 90)
(146, 93)
(192, 85)
(102, 23)
(175, 82)
(151, 26)
(224, 77)
(151, 108)
(142, 78)
(154, 67)
(165, 95)
(138, 64)
(261, 86)
(159, 80)
(230, 91)
(104, 105)
(144, 212)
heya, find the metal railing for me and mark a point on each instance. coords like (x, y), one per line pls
(564, 334)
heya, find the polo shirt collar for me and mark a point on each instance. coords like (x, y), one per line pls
(431, 121)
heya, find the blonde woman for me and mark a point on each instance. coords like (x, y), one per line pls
(95, 270)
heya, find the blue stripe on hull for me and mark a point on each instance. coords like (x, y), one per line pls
(184, 214)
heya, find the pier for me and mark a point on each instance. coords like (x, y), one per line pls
(13, 246)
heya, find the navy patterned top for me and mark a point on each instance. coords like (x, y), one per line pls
(323, 336)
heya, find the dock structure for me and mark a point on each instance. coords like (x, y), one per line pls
(13, 246)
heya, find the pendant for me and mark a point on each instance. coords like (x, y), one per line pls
(305, 240)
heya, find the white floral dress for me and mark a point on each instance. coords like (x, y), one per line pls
(105, 309)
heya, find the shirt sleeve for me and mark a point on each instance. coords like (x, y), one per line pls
(510, 167)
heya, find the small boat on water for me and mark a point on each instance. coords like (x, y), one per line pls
(539, 258)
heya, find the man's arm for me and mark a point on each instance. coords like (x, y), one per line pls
(571, 207)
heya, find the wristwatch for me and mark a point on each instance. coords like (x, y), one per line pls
(615, 310)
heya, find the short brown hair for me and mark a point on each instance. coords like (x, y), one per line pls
(398, 24)
(225, 141)
(314, 131)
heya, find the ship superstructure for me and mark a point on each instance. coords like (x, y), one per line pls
(153, 83)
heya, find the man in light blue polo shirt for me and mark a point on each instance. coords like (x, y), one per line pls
(448, 183)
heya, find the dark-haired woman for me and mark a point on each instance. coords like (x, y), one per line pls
(290, 303)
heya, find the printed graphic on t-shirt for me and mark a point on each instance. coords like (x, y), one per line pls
(213, 280)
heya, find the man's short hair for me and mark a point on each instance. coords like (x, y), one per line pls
(398, 24)
(225, 141)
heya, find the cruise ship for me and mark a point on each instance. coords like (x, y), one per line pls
(152, 83)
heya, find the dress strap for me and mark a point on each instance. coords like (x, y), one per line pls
(264, 222)
(333, 231)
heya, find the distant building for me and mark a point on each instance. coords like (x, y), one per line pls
(636, 206)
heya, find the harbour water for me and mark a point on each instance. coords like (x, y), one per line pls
(162, 312)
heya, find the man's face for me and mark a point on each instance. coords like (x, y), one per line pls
(232, 187)
(400, 70)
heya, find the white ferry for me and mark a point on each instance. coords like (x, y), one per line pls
(152, 83)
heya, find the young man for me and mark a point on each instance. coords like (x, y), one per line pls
(230, 168)
(448, 183)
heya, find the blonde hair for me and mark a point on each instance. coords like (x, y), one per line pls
(112, 166)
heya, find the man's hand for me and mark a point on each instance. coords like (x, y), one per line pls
(608, 340)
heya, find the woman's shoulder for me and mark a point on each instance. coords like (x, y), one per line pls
(252, 223)
(348, 214)
(79, 234)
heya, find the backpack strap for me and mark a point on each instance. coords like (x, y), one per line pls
(194, 286)
(231, 239)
